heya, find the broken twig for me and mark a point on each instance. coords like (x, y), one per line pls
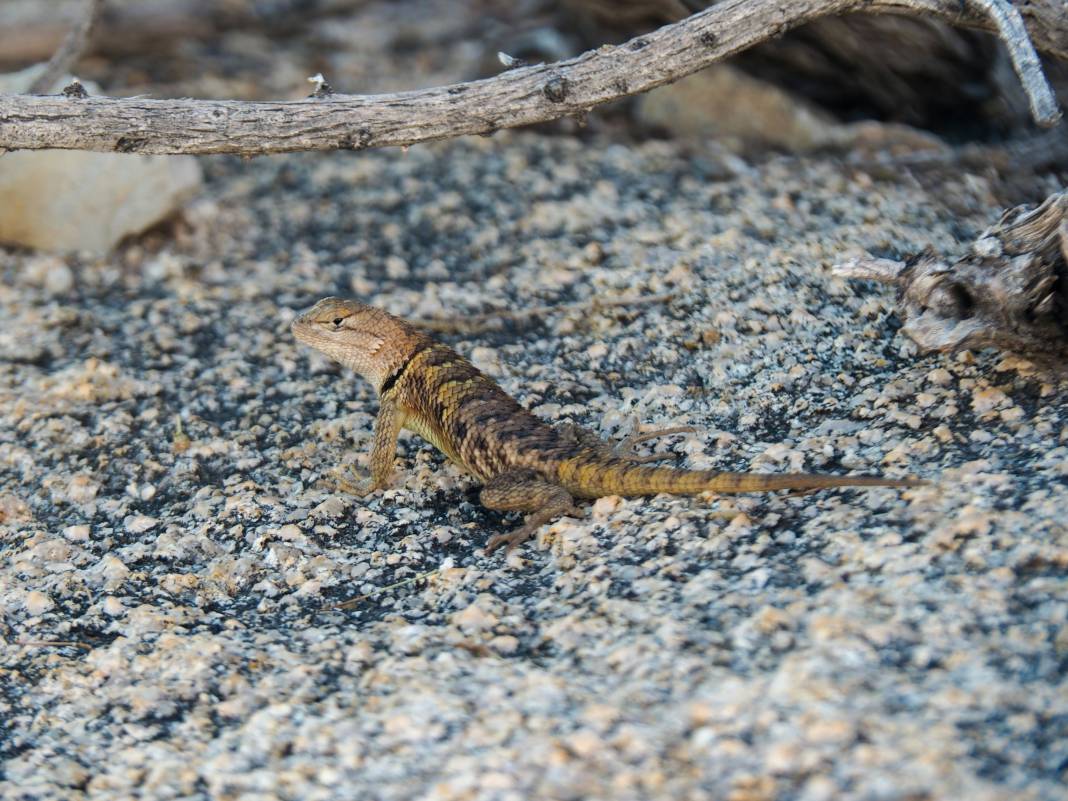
(53, 644)
(352, 603)
(70, 51)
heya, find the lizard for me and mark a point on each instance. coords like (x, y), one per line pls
(524, 463)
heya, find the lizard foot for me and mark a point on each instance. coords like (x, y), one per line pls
(524, 491)
(349, 481)
(512, 539)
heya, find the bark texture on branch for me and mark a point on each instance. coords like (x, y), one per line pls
(1045, 19)
(515, 98)
(1010, 291)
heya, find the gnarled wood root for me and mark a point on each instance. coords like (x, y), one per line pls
(1010, 291)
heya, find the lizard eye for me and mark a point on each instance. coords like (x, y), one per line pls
(338, 321)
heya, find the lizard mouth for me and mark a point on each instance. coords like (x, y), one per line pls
(305, 319)
(304, 330)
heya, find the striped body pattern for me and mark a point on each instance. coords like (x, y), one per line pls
(468, 417)
(524, 463)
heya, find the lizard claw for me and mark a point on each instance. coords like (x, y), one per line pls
(350, 482)
(511, 540)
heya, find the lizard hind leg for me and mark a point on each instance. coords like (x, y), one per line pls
(524, 491)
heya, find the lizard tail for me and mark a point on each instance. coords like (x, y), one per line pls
(589, 479)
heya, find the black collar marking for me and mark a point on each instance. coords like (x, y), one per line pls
(394, 377)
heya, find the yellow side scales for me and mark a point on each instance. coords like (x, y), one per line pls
(525, 464)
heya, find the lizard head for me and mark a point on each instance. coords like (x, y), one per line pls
(368, 340)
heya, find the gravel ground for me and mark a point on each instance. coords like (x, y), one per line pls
(171, 546)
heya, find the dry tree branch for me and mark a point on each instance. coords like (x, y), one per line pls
(70, 51)
(517, 97)
(53, 644)
(1011, 30)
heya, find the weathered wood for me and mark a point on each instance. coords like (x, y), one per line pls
(515, 98)
(1045, 19)
(1010, 291)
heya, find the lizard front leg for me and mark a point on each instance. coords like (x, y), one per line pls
(524, 491)
(383, 450)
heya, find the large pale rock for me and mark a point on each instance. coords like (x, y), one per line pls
(724, 103)
(63, 200)
(69, 200)
(745, 113)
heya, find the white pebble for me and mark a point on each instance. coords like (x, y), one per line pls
(76, 533)
(112, 606)
(37, 603)
(138, 524)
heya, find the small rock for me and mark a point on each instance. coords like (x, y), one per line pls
(82, 489)
(605, 506)
(486, 359)
(334, 506)
(138, 524)
(597, 350)
(474, 618)
(504, 644)
(985, 399)
(112, 606)
(762, 114)
(37, 603)
(820, 788)
(397, 268)
(830, 730)
(739, 523)
(14, 510)
(111, 571)
(585, 743)
(68, 200)
(68, 773)
(290, 532)
(50, 273)
(782, 758)
(76, 533)
(940, 376)
(496, 780)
